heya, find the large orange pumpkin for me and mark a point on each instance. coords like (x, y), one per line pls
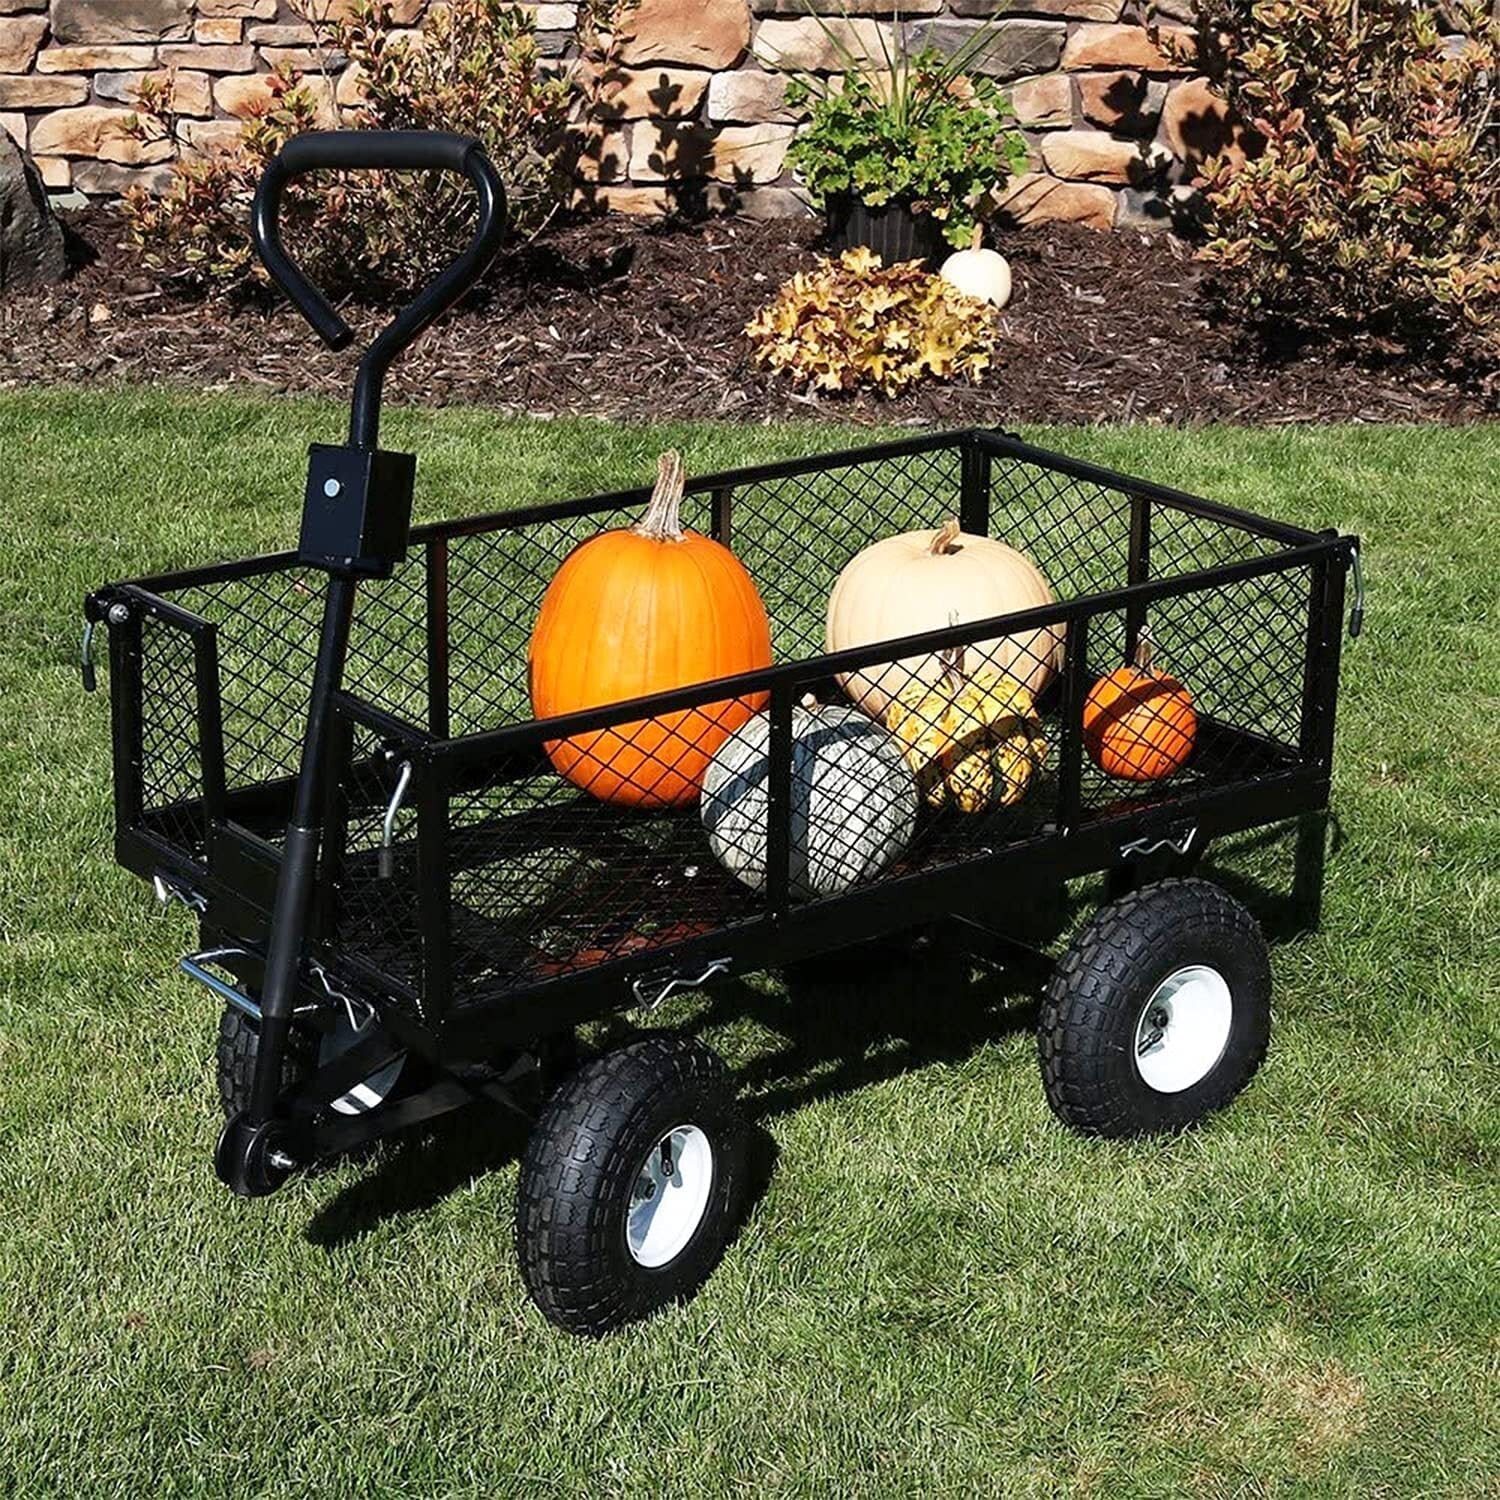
(643, 610)
(1138, 723)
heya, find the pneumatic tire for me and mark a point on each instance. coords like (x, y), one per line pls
(239, 1040)
(1158, 1015)
(630, 1186)
(306, 1051)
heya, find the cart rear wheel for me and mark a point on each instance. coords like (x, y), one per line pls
(630, 1185)
(1159, 1014)
(306, 1050)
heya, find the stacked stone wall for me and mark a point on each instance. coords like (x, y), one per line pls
(696, 115)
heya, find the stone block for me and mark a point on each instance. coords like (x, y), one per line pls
(94, 59)
(103, 179)
(403, 12)
(839, 8)
(1181, 11)
(191, 92)
(1179, 208)
(773, 203)
(750, 96)
(1196, 124)
(1071, 10)
(93, 130)
(1127, 103)
(1097, 156)
(1035, 198)
(14, 125)
(210, 136)
(20, 41)
(30, 92)
(349, 92)
(56, 173)
(817, 46)
(743, 154)
(208, 59)
(281, 34)
(656, 202)
(121, 20)
(304, 59)
(751, 154)
(16, 7)
(221, 31)
(603, 155)
(243, 95)
(1010, 49)
(1043, 103)
(1101, 46)
(705, 33)
(662, 93)
(244, 10)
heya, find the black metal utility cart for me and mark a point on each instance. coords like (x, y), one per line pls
(329, 755)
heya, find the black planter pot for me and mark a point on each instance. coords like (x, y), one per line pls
(892, 231)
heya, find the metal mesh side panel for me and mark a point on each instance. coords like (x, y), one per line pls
(171, 763)
(796, 533)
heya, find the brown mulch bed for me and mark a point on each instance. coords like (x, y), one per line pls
(620, 318)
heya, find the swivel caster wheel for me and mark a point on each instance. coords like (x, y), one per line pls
(253, 1160)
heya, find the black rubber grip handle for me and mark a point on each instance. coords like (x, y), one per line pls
(378, 150)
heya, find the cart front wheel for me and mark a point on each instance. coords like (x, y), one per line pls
(1159, 1014)
(306, 1051)
(630, 1185)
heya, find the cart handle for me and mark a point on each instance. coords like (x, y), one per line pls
(373, 151)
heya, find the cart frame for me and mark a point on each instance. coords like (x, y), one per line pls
(271, 912)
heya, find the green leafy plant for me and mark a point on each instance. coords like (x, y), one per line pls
(915, 128)
(1373, 204)
(476, 70)
(853, 322)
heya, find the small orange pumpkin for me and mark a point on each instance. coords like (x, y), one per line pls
(1139, 724)
(642, 610)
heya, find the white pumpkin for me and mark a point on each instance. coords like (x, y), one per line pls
(924, 580)
(984, 274)
(854, 801)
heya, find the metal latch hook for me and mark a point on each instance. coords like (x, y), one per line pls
(1357, 614)
(387, 860)
(647, 1001)
(1140, 848)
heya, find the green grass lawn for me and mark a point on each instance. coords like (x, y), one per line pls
(940, 1292)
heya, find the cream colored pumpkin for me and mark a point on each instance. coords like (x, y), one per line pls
(983, 274)
(923, 580)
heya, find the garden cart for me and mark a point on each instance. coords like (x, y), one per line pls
(410, 897)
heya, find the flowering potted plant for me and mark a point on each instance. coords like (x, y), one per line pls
(907, 154)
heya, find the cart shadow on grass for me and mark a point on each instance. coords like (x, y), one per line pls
(986, 994)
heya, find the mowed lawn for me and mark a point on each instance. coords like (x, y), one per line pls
(939, 1291)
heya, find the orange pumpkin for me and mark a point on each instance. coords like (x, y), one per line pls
(1139, 724)
(643, 610)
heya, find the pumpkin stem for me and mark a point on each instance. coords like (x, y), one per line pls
(1145, 651)
(951, 659)
(977, 238)
(944, 538)
(662, 521)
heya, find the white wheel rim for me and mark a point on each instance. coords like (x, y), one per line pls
(1183, 1029)
(376, 1089)
(669, 1196)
